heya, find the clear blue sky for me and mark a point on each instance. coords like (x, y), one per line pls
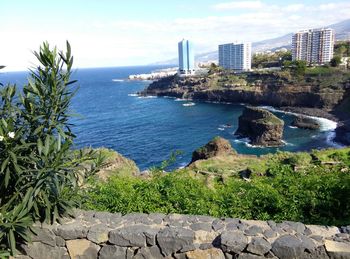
(116, 33)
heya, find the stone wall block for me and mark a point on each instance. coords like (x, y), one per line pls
(172, 240)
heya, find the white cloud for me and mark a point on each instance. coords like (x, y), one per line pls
(136, 42)
(294, 7)
(238, 5)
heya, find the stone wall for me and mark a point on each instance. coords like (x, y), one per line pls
(105, 236)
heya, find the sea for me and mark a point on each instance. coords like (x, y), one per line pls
(148, 130)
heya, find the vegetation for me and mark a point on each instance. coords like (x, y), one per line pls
(39, 172)
(309, 187)
(335, 61)
(342, 49)
(275, 59)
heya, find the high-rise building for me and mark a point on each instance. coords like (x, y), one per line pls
(314, 46)
(186, 57)
(236, 56)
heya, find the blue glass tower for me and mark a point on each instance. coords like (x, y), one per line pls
(186, 57)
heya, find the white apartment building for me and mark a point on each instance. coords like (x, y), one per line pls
(314, 46)
(236, 56)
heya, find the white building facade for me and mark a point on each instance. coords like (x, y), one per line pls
(236, 56)
(314, 46)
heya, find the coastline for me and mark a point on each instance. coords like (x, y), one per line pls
(327, 120)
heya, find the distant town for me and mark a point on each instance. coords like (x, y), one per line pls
(314, 47)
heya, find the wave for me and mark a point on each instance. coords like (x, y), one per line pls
(330, 140)
(325, 124)
(169, 97)
(147, 97)
(133, 95)
(180, 100)
(287, 143)
(118, 80)
(188, 104)
(221, 129)
(292, 127)
(213, 102)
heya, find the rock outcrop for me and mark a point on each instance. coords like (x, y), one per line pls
(261, 127)
(216, 147)
(305, 122)
(102, 235)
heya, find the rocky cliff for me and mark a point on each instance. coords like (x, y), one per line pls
(261, 127)
(101, 235)
(304, 122)
(216, 147)
(268, 90)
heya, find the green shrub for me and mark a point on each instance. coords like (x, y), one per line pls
(38, 171)
(317, 194)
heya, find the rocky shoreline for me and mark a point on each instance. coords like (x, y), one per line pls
(294, 99)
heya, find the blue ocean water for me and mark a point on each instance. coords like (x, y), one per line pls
(147, 130)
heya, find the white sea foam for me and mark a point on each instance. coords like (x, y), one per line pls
(147, 97)
(118, 80)
(180, 100)
(287, 143)
(330, 140)
(292, 127)
(133, 95)
(221, 129)
(188, 104)
(325, 124)
(169, 97)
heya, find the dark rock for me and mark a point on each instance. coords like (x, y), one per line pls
(45, 236)
(72, 231)
(270, 233)
(258, 246)
(206, 226)
(233, 241)
(288, 246)
(136, 235)
(232, 227)
(98, 233)
(249, 256)
(345, 229)
(261, 127)
(137, 218)
(296, 226)
(60, 241)
(305, 122)
(173, 240)
(218, 224)
(115, 252)
(157, 218)
(216, 147)
(253, 231)
(149, 252)
(39, 250)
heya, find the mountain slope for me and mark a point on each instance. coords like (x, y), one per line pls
(342, 32)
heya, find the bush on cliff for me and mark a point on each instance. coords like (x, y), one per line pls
(312, 188)
(38, 171)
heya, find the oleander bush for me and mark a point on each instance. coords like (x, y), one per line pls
(308, 187)
(39, 172)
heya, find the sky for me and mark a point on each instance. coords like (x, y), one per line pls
(105, 33)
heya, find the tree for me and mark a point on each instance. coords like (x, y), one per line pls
(299, 67)
(335, 61)
(39, 172)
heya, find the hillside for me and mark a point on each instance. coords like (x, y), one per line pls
(342, 32)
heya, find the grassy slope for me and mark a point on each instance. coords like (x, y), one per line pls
(309, 187)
